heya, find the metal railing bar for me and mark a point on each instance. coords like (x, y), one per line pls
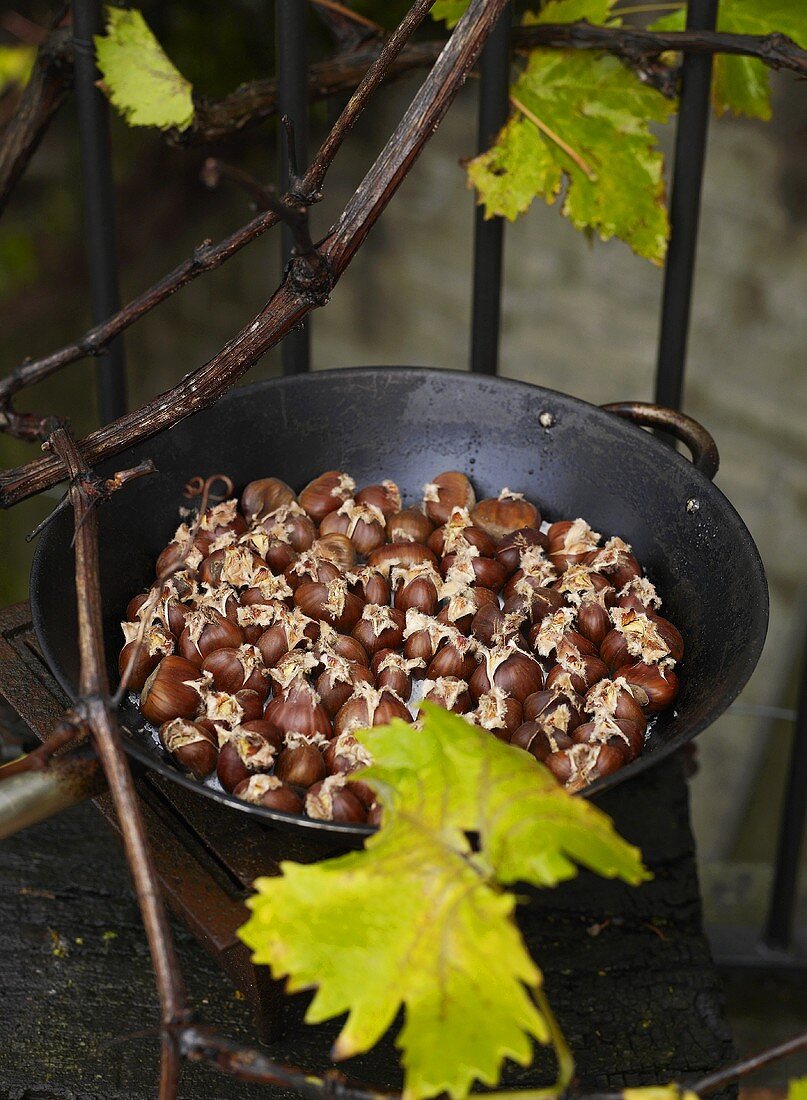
(291, 47)
(778, 932)
(489, 235)
(685, 202)
(99, 205)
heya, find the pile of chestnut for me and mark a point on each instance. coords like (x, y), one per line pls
(279, 624)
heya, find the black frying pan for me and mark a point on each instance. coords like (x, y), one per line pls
(408, 424)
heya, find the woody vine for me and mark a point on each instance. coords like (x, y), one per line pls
(539, 153)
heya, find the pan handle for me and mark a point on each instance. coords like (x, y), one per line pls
(692, 434)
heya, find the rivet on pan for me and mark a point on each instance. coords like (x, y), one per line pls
(546, 419)
(693, 504)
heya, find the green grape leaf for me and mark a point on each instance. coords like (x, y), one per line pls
(797, 1088)
(15, 65)
(407, 922)
(581, 119)
(417, 919)
(456, 778)
(741, 85)
(571, 11)
(139, 79)
(449, 11)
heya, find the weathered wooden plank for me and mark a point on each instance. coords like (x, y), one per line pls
(639, 1001)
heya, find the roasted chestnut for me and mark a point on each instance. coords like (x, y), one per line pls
(333, 800)
(570, 542)
(363, 524)
(338, 682)
(301, 762)
(241, 753)
(410, 525)
(265, 495)
(326, 493)
(498, 712)
(392, 670)
(505, 514)
(206, 630)
(445, 493)
(300, 711)
(386, 497)
(367, 707)
(403, 554)
(540, 742)
(369, 585)
(335, 548)
(170, 691)
(581, 765)
(625, 736)
(379, 628)
(448, 692)
(511, 547)
(233, 669)
(654, 687)
(143, 656)
(332, 602)
(271, 793)
(506, 667)
(191, 745)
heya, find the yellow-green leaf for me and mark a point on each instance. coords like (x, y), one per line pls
(417, 920)
(742, 84)
(456, 778)
(407, 923)
(139, 79)
(449, 11)
(15, 65)
(571, 11)
(581, 119)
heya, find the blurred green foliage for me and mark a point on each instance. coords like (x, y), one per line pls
(18, 263)
(15, 65)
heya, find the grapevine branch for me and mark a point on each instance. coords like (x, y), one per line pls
(215, 170)
(373, 54)
(634, 44)
(256, 101)
(208, 256)
(306, 285)
(43, 95)
(94, 695)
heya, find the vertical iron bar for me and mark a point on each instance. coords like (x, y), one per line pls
(779, 925)
(489, 235)
(685, 201)
(99, 204)
(292, 68)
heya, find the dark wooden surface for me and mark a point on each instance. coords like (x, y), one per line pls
(628, 971)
